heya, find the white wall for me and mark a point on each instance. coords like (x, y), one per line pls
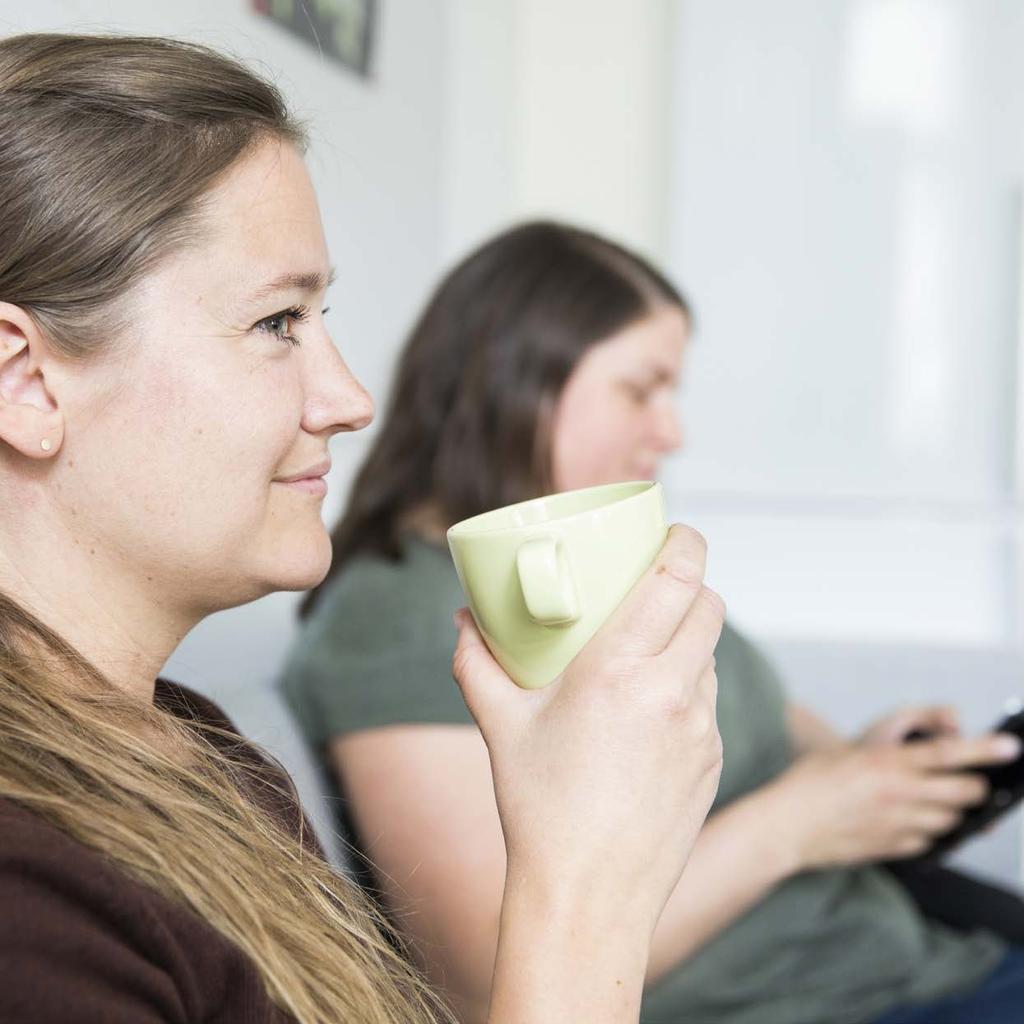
(846, 213)
(558, 109)
(376, 159)
(480, 154)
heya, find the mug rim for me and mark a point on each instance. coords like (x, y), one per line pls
(466, 527)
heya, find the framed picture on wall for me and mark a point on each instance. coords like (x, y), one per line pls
(343, 30)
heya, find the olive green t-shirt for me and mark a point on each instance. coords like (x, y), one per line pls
(840, 946)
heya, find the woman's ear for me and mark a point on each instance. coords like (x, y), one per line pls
(30, 420)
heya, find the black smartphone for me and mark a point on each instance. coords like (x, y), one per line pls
(1006, 790)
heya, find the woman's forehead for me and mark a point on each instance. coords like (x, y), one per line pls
(660, 338)
(259, 233)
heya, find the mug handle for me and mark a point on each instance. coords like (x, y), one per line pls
(547, 583)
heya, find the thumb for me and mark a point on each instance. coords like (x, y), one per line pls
(939, 720)
(900, 724)
(947, 720)
(895, 727)
(486, 687)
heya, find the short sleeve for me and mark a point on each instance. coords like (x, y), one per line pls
(378, 649)
(751, 717)
(71, 949)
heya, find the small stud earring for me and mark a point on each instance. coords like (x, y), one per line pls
(46, 444)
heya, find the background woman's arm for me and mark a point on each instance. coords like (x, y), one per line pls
(810, 733)
(422, 797)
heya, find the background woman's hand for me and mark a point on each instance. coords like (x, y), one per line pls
(937, 720)
(603, 779)
(867, 803)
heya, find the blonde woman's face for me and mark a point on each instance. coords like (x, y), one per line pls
(616, 417)
(195, 454)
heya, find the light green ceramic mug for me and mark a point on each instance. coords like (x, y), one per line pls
(542, 576)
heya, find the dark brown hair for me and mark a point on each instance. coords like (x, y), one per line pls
(467, 423)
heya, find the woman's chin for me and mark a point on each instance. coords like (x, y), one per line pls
(306, 566)
(295, 562)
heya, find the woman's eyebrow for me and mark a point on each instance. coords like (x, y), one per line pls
(306, 281)
(657, 375)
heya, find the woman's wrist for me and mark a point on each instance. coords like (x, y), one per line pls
(565, 954)
(581, 897)
(783, 836)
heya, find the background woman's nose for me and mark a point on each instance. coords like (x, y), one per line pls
(669, 431)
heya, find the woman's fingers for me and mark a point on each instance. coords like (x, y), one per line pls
(707, 685)
(694, 642)
(486, 687)
(704, 708)
(955, 789)
(652, 611)
(945, 720)
(952, 752)
(934, 821)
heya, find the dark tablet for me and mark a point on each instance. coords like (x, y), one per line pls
(1006, 790)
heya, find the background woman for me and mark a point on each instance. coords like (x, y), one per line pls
(550, 359)
(168, 388)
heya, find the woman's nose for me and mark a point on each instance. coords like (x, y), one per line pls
(669, 431)
(335, 401)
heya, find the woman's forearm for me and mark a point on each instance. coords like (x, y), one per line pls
(566, 960)
(558, 961)
(810, 733)
(742, 853)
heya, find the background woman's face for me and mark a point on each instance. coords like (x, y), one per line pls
(179, 445)
(616, 417)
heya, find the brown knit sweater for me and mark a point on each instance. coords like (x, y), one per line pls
(81, 942)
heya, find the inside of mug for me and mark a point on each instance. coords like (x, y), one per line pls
(552, 507)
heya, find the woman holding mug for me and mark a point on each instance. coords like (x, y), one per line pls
(168, 388)
(547, 360)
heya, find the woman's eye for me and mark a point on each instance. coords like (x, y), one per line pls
(636, 393)
(281, 324)
(277, 325)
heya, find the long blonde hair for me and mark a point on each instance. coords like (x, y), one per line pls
(109, 146)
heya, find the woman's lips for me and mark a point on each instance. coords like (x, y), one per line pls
(310, 479)
(316, 485)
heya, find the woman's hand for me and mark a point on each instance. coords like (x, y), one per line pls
(936, 720)
(867, 803)
(604, 778)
